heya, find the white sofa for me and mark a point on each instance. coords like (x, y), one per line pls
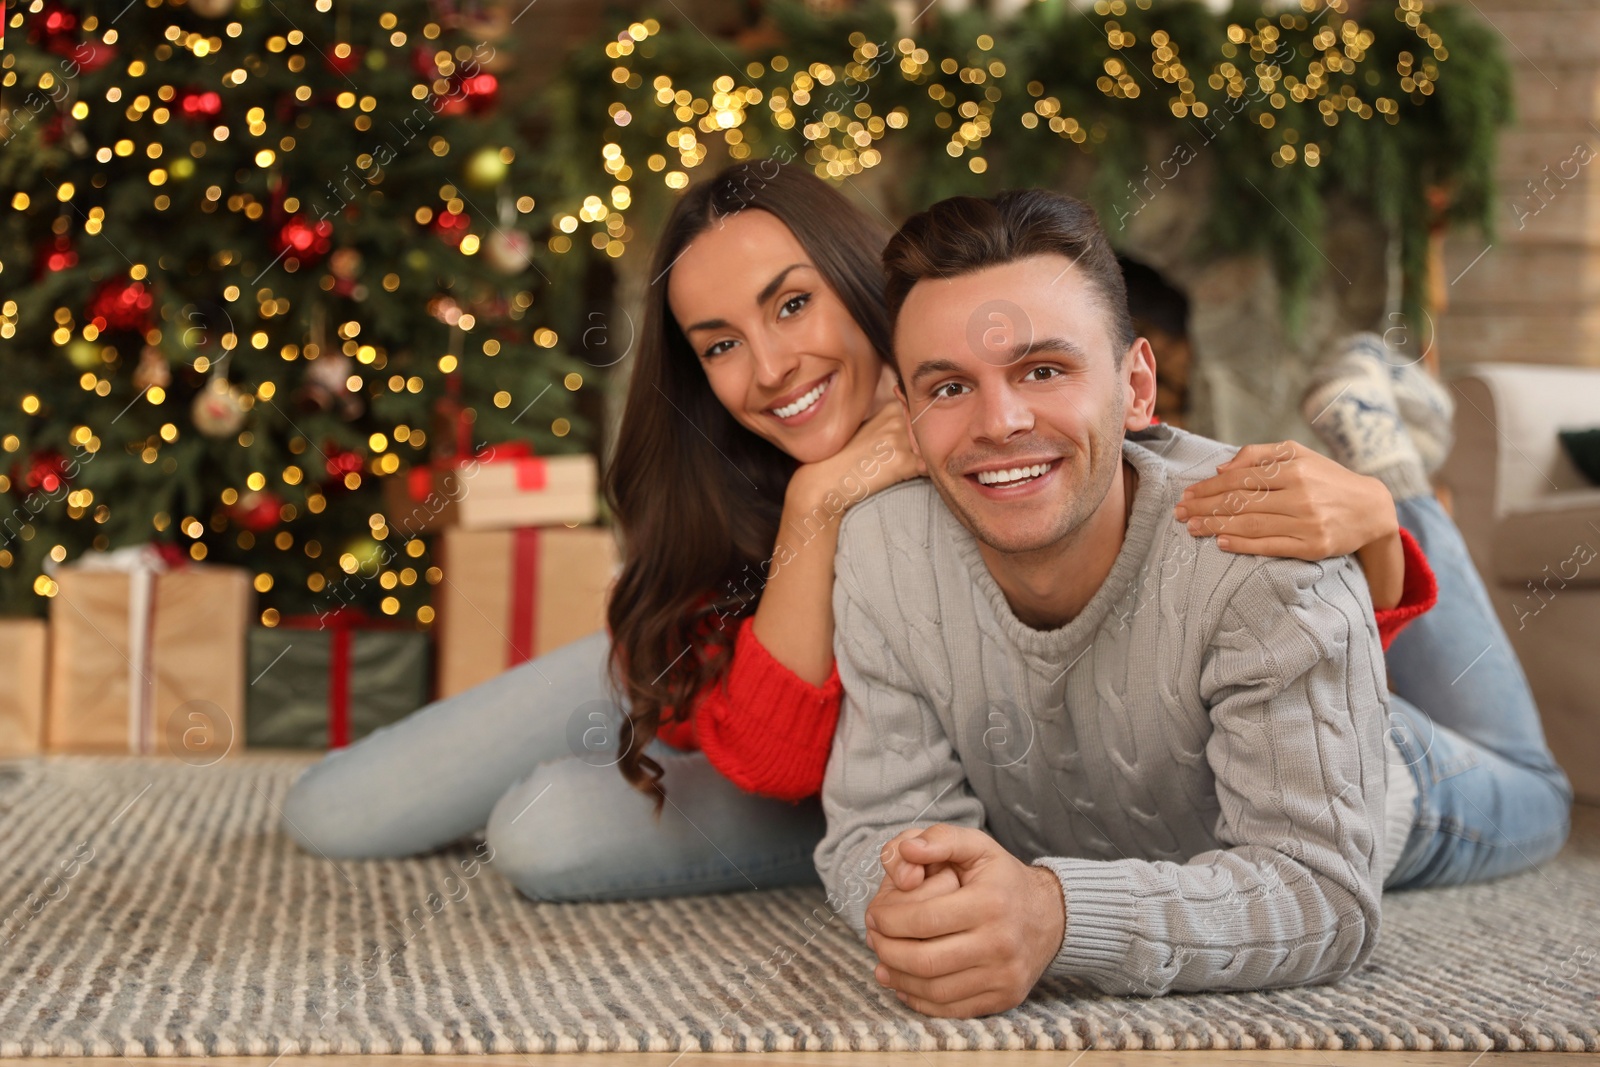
(1532, 524)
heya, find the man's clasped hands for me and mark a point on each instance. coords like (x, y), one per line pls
(961, 927)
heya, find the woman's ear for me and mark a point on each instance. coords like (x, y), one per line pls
(1139, 379)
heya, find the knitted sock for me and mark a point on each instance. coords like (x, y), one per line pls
(1350, 403)
(1428, 410)
(1425, 405)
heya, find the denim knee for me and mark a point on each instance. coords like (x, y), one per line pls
(536, 850)
(312, 818)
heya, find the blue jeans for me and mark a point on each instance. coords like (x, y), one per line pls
(1491, 800)
(529, 756)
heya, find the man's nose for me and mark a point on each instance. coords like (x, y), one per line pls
(1003, 414)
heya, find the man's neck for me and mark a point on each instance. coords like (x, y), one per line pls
(1047, 588)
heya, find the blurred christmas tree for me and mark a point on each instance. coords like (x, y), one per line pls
(252, 259)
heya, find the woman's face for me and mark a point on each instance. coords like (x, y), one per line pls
(779, 348)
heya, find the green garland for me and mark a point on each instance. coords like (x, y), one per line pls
(1289, 107)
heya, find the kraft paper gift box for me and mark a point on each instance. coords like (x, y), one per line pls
(22, 689)
(500, 488)
(147, 660)
(510, 595)
(325, 681)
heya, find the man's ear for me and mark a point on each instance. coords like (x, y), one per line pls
(1139, 377)
(911, 427)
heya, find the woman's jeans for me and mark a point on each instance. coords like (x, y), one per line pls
(530, 754)
(1490, 798)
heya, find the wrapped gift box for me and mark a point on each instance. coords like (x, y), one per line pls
(22, 674)
(148, 660)
(500, 488)
(325, 681)
(510, 595)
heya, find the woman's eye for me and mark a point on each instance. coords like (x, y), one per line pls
(716, 349)
(793, 304)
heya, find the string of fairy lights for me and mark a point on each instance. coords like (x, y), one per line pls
(967, 97)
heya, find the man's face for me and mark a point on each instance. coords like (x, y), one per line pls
(1016, 401)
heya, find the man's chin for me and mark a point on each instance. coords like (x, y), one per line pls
(1015, 527)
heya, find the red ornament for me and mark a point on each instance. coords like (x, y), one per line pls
(422, 62)
(482, 92)
(120, 304)
(56, 255)
(308, 241)
(197, 105)
(91, 55)
(451, 227)
(47, 471)
(345, 64)
(257, 510)
(56, 28)
(341, 462)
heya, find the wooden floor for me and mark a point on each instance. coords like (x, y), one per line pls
(880, 1059)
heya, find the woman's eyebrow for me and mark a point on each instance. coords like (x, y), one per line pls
(772, 286)
(761, 298)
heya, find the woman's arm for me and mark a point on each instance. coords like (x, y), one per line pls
(794, 619)
(1286, 500)
(768, 725)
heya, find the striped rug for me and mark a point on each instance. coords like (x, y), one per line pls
(152, 908)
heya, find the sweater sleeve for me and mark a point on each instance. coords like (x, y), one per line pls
(890, 753)
(1293, 680)
(1418, 594)
(767, 730)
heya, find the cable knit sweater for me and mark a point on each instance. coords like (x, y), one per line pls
(1199, 755)
(769, 731)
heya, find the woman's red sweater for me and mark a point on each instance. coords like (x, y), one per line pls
(768, 731)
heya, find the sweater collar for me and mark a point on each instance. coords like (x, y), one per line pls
(1049, 650)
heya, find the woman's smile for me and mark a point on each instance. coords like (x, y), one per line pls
(801, 405)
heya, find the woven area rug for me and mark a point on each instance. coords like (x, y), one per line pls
(152, 908)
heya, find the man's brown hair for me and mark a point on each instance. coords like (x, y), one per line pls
(967, 233)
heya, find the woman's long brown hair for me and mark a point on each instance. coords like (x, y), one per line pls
(697, 496)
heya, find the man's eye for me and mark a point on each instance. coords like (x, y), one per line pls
(947, 390)
(1040, 374)
(793, 304)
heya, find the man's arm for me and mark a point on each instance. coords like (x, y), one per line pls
(1294, 678)
(891, 766)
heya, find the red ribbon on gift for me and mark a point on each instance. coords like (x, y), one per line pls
(340, 622)
(530, 469)
(524, 595)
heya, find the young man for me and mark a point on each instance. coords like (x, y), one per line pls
(1185, 747)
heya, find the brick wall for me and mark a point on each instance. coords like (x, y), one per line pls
(1532, 296)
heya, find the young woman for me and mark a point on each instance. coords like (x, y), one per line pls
(760, 408)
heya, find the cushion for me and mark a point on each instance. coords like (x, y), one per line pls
(1584, 448)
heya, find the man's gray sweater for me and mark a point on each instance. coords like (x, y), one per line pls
(1199, 755)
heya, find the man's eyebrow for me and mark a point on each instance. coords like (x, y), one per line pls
(761, 298)
(934, 366)
(1020, 353)
(1049, 344)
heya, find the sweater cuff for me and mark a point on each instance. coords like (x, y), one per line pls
(1101, 919)
(1419, 592)
(770, 731)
